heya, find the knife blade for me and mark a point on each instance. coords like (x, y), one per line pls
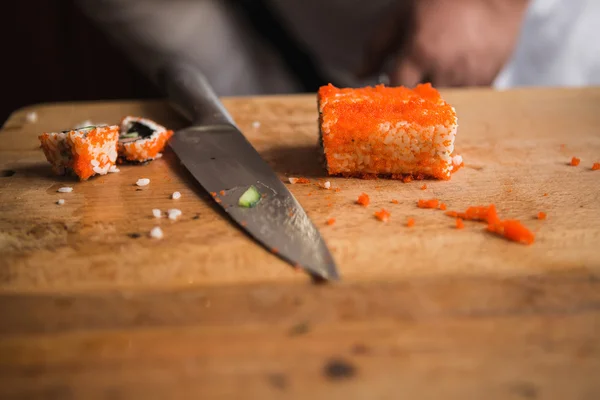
(222, 160)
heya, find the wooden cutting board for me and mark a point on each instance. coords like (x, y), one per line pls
(93, 308)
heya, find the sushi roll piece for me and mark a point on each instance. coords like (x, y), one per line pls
(141, 139)
(86, 151)
(387, 131)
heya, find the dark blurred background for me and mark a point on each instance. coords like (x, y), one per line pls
(53, 53)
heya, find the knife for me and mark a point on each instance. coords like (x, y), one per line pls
(223, 162)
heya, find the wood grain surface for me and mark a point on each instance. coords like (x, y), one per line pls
(93, 308)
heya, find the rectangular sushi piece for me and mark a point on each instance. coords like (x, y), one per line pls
(387, 131)
(86, 151)
(142, 139)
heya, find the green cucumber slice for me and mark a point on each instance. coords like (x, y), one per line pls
(250, 198)
(129, 135)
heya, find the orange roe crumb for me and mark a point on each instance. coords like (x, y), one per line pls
(443, 206)
(433, 203)
(222, 193)
(363, 200)
(337, 190)
(512, 230)
(394, 201)
(575, 161)
(545, 194)
(596, 166)
(274, 250)
(541, 215)
(410, 223)
(459, 223)
(293, 181)
(424, 187)
(407, 178)
(218, 200)
(330, 221)
(383, 215)
(477, 213)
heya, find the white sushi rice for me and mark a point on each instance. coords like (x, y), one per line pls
(31, 117)
(66, 189)
(143, 182)
(174, 213)
(176, 195)
(107, 154)
(113, 169)
(60, 202)
(156, 212)
(156, 233)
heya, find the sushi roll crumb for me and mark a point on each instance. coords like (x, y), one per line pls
(60, 202)
(156, 212)
(156, 233)
(65, 189)
(143, 182)
(174, 213)
(113, 169)
(327, 185)
(31, 117)
(176, 195)
(256, 124)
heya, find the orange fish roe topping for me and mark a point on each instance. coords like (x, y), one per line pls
(541, 215)
(575, 161)
(394, 201)
(443, 206)
(596, 166)
(330, 221)
(363, 200)
(424, 187)
(410, 222)
(383, 215)
(433, 203)
(512, 230)
(477, 213)
(459, 223)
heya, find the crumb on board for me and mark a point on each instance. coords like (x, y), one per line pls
(156, 233)
(327, 185)
(383, 215)
(142, 182)
(66, 189)
(363, 200)
(575, 161)
(60, 202)
(330, 221)
(424, 186)
(174, 213)
(156, 213)
(596, 166)
(512, 230)
(459, 223)
(394, 201)
(477, 213)
(443, 206)
(410, 222)
(176, 196)
(31, 117)
(433, 203)
(294, 181)
(407, 178)
(256, 124)
(541, 215)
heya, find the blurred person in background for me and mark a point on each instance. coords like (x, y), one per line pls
(249, 47)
